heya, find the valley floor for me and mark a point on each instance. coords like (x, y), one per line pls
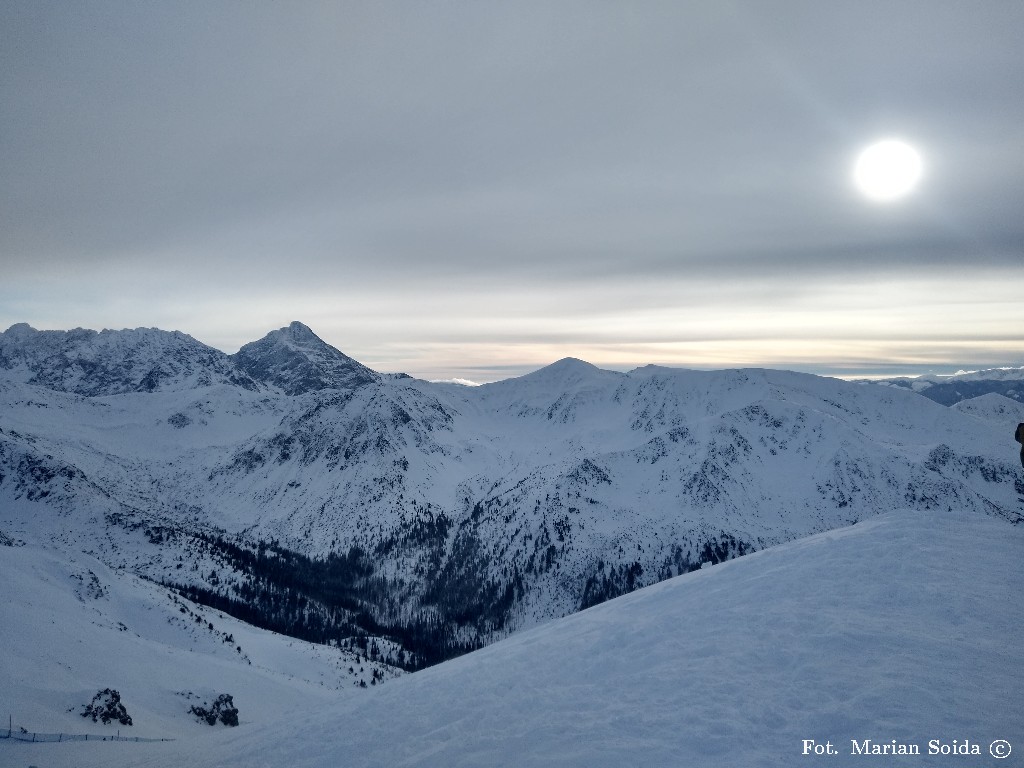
(904, 627)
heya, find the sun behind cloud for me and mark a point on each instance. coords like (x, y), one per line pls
(887, 170)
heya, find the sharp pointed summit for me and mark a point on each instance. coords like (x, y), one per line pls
(300, 332)
(298, 361)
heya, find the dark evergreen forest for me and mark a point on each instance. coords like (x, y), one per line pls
(340, 600)
(343, 599)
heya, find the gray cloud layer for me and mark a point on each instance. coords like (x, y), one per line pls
(386, 149)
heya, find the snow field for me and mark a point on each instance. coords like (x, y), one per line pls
(906, 626)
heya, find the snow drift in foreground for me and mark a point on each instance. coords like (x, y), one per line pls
(904, 627)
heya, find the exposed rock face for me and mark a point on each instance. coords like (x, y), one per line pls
(107, 362)
(298, 361)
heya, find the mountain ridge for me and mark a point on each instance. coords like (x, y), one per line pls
(292, 359)
(114, 362)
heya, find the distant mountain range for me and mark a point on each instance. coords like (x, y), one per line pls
(952, 389)
(303, 492)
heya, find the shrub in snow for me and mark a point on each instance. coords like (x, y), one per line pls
(106, 706)
(223, 709)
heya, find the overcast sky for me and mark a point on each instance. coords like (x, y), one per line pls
(476, 189)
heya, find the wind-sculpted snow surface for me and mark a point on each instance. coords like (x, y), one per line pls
(903, 629)
(469, 512)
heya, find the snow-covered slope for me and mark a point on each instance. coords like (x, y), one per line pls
(997, 409)
(70, 626)
(904, 628)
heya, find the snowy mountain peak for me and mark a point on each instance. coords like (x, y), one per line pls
(568, 369)
(572, 363)
(300, 332)
(20, 331)
(298, 361)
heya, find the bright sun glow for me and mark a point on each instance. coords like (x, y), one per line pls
(887, 170)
